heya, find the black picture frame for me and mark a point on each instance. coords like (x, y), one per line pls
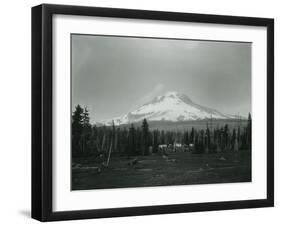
(42, 111)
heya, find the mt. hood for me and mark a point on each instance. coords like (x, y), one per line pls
(173, 107)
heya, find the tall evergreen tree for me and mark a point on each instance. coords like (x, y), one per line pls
(162, 137)
(132, 141)
(207, 140)
(156, 140)
(145, 137)
(192, 136)
(118, 140)
(139, 141)
(113, 136)
(186, 138)
(77, 129)
(225, 137)
(86, 132)
(238, 137)
(249, 131)
(93, 145)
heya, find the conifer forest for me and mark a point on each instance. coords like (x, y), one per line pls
(136, 155)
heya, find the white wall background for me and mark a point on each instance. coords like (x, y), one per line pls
(15, 113)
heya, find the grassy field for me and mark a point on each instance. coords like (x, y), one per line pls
(156, 170)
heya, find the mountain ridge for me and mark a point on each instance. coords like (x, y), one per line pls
(172, 106)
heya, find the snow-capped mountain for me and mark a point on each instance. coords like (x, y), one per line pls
(173, 107)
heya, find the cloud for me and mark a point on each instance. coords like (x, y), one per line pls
(157, 90)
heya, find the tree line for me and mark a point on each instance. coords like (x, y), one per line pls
(90, 139)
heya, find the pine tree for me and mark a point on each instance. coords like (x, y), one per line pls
(207, 140)
(217, 139)
(162, 137)
(156, 140)
(118, 140)
(77, 129)
(113, 136)
(186, 138)
(138, 141)
(238, 138)
(235, 141)
(145, 137)
(93, 145)
(124, 141)
(86, 132)
(132, 141)
(192, 136)
(225, 136)
(249, 132)
(196, 142)
(201, 141)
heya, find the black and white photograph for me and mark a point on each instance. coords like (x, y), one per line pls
(143, 111)
(149, 111)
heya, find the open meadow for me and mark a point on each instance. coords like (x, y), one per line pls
(179, 168)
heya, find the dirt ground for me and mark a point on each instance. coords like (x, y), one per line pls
(182, 168)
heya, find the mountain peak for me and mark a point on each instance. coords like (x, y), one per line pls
(172, 106)
(183, 97)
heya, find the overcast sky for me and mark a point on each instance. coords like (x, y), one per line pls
(114, 75)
